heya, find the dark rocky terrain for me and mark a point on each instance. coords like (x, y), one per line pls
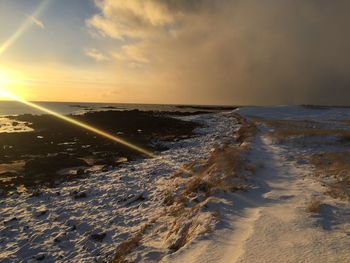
(35, 158)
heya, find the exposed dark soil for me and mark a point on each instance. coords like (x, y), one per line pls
(55, 144)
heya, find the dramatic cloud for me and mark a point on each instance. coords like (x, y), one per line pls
(139, 18)
(243, 52)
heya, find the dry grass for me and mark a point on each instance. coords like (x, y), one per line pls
(169, 198)
(339, 191)
(334, 165)
(250, 167)
(314, 206)
(284, 129)
(247, 130)
(220, 171)
(186, 227)
(126, 247)
(280, 123)
(337, 166)
(184, 236)
(282, 134)
(346, 121)
(332, 162)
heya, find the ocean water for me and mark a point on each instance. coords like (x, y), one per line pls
(11, 108)
(17, 108)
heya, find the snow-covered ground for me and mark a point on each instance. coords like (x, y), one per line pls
(298, 113)
(85, 220)
(272, 221)
(10, 126)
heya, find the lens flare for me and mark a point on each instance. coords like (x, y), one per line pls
(90, 128)
(26, 24)
(5, 94)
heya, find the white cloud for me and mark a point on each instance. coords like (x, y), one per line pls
(131, 53)
(131, 18)
(96, 54)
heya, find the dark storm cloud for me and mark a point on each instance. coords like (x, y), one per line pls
(251, 51)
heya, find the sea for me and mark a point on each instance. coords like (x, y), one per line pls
(16, 108)
(13, 108)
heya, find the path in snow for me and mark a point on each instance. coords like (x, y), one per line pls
(270, 223)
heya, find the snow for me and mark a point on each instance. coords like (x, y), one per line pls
(10, 126)
(297, 113)
(270, 222)
(85, 220)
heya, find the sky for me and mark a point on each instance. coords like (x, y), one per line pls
(231, 52)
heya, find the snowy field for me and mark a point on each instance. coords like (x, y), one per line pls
(85, 220)
(289, 215)
(298, 112)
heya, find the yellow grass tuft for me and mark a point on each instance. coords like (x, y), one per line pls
(337, 166)
(284, 129)
(314, 206)
(220, 171)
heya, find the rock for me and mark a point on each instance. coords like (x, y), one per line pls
(13, 219)
(59, 238)
(106, 168)
(98, 236)
(301, 162)
(79, 195)
(41, 212)
(51, 164)
(80, 172)
(136, 198)
(9, 174)
(36, 193)
(121, 160)
(40, 257)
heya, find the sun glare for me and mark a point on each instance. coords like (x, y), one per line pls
(9, 77)
(4, 79)
(11, 80)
